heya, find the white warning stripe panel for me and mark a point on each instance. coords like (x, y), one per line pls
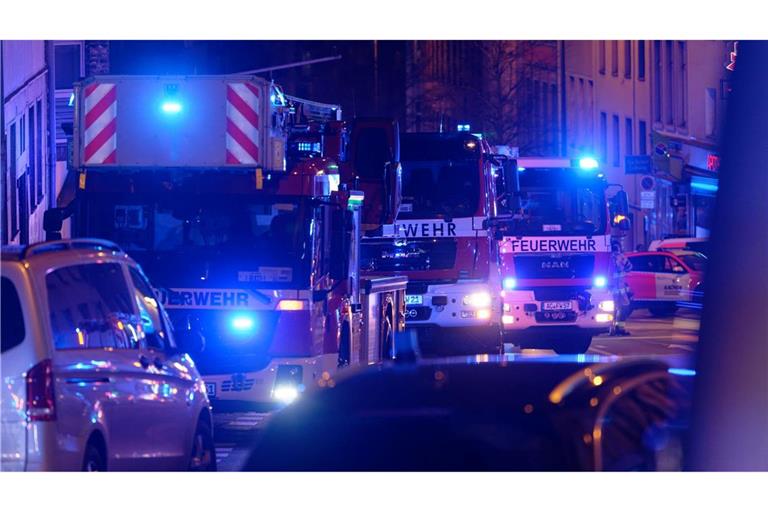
(99, 124)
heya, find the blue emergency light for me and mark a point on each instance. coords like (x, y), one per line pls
(171, 107)
(242, 323)
(600, 282)
(509, 283)
(462, 128)
(588, 163)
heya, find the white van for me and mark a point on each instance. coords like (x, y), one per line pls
(91, 377)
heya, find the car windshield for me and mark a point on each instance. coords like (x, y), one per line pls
(560, 211)
(239, 239)
(439, 189)
(696, 261)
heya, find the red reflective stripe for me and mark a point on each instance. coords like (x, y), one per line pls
(247, 144)
(111, 159)
(90, 89)
(242, 107)
(253, 89)
(231, 159)
(100, 139)
(98, 109)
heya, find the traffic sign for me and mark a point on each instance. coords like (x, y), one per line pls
(648, 183)
(648, 199)
(637, 164)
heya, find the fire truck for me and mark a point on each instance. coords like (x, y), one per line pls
(439, 242)
(554, 234)
(255, 262)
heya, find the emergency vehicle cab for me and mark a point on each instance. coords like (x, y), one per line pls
(554, 239)
(256, 264)
(439, 242)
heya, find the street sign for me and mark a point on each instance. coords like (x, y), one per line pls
(637, 164)
(648, 199)
(647, 183)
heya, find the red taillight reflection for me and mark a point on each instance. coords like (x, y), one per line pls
(40, 396)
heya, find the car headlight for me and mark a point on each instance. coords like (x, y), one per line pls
(607, 305)
(477, 300)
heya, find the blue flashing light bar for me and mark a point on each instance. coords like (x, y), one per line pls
(171, 107)
(462, 128)
(588, 163)
(600, 282)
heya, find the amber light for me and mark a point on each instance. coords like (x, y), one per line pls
(291, 305)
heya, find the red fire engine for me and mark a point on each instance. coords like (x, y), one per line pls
(256, 264)
(554, 238)
(438, 241)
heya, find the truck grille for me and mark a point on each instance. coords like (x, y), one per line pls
(554, 266)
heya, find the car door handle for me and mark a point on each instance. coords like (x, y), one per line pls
(158, 363)
(144, 362)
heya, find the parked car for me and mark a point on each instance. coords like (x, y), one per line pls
(488, 413)
(92, 377)
(688, 244)
(662, 281)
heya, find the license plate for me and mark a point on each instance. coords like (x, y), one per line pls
(414, 300)
(210, 388)
(560, 305)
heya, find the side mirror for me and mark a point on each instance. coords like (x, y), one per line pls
(53, 220)
(621, 203)
(511, 184)
(340, 244)
(624, 224)
(190, 341)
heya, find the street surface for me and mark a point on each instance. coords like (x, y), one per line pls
(236, 432)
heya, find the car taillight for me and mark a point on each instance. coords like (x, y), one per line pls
(40, 397)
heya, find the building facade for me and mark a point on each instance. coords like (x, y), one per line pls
(28, 180)
(506, 90)
(651, 112)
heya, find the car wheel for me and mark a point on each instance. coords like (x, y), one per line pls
(94, 459)
(573, 345)
(203, 456)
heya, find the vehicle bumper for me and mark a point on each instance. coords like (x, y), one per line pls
(442, 306)
(523, 313)
(259, 389)
(437, 340)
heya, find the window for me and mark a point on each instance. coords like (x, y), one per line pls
(153, 326)
(614, 58)
(22, 191)
(13, 316)
(616, 148)
(68, 62)
(603, 137)
(22, 135)
(656, 81)
(90, 307)
(642, 138)
(682, 84)
(627, 59)
(671, 264)
(601, 56)
(31, 169)
(669, 91)
(641, 60)
(628, 139)
(39, 146)
(709, 111)
(13, 206)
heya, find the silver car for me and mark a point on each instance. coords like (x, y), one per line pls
(91, 376)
